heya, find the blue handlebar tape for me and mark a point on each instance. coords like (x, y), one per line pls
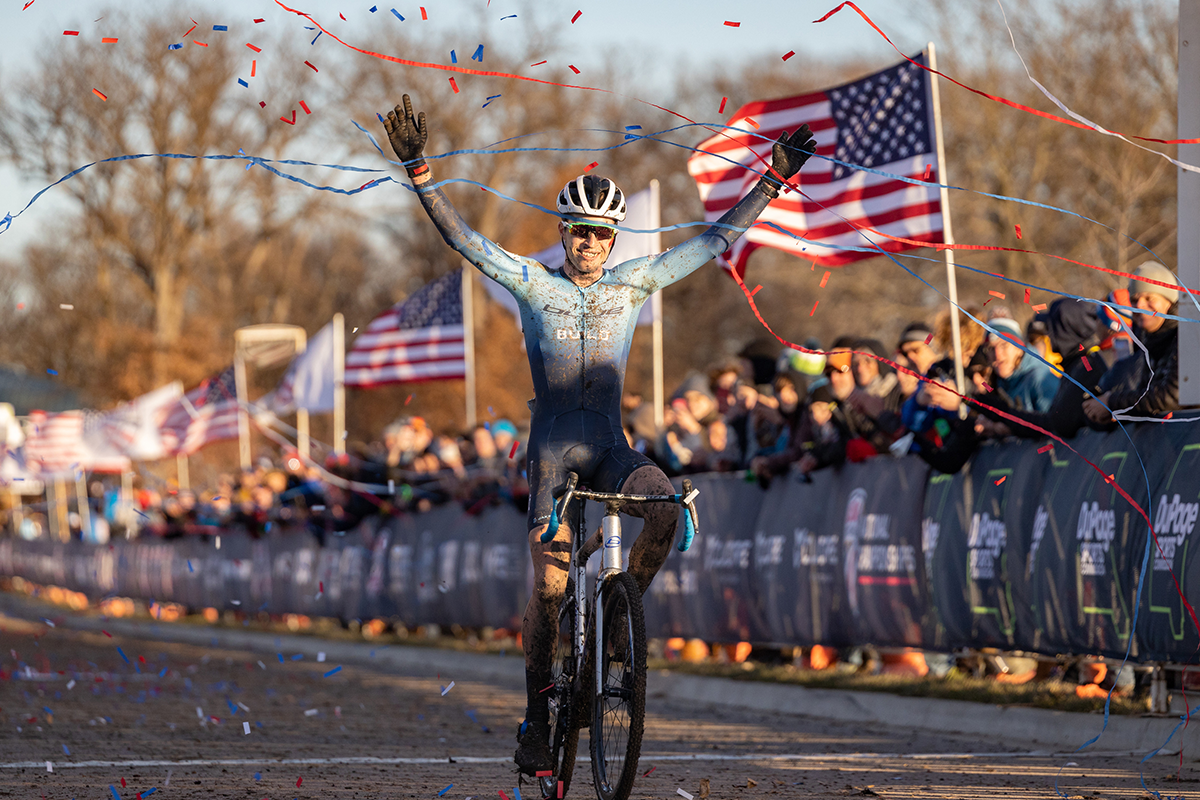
(553, 529)
(689, 531)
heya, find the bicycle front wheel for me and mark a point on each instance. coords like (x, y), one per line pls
(619, 707)
(564, 721)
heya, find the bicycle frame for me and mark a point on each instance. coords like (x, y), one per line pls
(611, 543)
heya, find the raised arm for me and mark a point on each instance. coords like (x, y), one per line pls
(408, 133)
(787, 157)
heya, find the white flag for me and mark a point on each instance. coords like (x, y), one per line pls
(308, 383)
(133, 429)
(641, 213)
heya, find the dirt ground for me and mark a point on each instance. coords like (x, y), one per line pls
(171, 718)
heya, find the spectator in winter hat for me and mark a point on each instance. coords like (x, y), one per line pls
(1028, 382)
(1153, 291)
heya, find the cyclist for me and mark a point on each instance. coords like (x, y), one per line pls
(579, 323)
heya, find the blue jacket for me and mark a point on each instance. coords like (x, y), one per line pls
(1032, 386)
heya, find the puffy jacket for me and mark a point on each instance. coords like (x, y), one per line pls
(1130, 379)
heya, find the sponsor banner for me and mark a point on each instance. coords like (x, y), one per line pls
(1027, 549)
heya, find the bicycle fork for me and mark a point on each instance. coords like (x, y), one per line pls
(610, 565)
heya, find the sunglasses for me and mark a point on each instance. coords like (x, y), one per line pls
(583, 231)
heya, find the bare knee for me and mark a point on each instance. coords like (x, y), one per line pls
(550, 562)
(650, 480)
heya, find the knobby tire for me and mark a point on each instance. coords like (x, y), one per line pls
(564, 722)
(619, 709)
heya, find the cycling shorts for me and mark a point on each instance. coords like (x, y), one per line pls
(588, 443)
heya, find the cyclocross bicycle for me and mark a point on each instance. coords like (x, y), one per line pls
(600, 681)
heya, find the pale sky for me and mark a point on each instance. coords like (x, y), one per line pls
(694, 29)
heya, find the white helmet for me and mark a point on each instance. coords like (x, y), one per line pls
(593, 196)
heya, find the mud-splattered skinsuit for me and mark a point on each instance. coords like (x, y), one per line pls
(578, 340)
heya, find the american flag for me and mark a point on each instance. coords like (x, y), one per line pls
(883, 121)
(420, 339)
(208, 413)
(54, 442)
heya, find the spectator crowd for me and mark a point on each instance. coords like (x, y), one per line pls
(799, 411)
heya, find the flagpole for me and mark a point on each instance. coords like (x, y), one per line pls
(656, 328)
(83, 507)
(468, 315)
(182, 474)
(339, 383)
(947, 233)
(303, 446)
(239, 382)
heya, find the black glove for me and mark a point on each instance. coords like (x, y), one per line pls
(788, 156)
(407, 133)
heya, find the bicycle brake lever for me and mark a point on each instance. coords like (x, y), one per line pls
(555, 517)
(689, 529)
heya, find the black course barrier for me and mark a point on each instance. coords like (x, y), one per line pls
(1029, 548)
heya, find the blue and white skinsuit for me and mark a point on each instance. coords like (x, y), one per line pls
(578, 340)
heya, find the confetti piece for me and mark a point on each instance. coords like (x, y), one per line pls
(122, 783)
(318, 36)
(448, 688)
(752, 123)
(49, 767)
(261, 20)
(814, 308)
(578, 14)
(548, 688)
(253, 67)
(453, 57)
(199, 44)
(754, 291)
(1039, 307)
(109, 40)
(220, 27)
(591, 166)
(291, 121)
(454, 85)
(1026, 297)
(545, 773)
(1046, 449)
(175, 46)
(573, 69)
(246, 728)
(513, 451)
(314, 69)
(336, 670)
(100, 94)
(538, 64)
(321, 657)
(149, 791)
(312, 712)
(825, 279)
(252, 47)
(443, 791)
(66, 306)
(996, 294)
(786, 56)
(928, 169)
(683, 794)
(517, 792)
(729, 24)
(647, 774)
(510, 16)
(113, 789)
(1086, 365)
(397, 13)
(490, 99)
(721, 110)
(502, 794)
(1003, 478)
(106, 633)
(1169, 415)
(299, 781)
(70, 33)
(243, 83)
(1018, 229)
(302, 105)
(423, 14)
(478, 54)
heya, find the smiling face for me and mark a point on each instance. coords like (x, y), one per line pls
(586, 254)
